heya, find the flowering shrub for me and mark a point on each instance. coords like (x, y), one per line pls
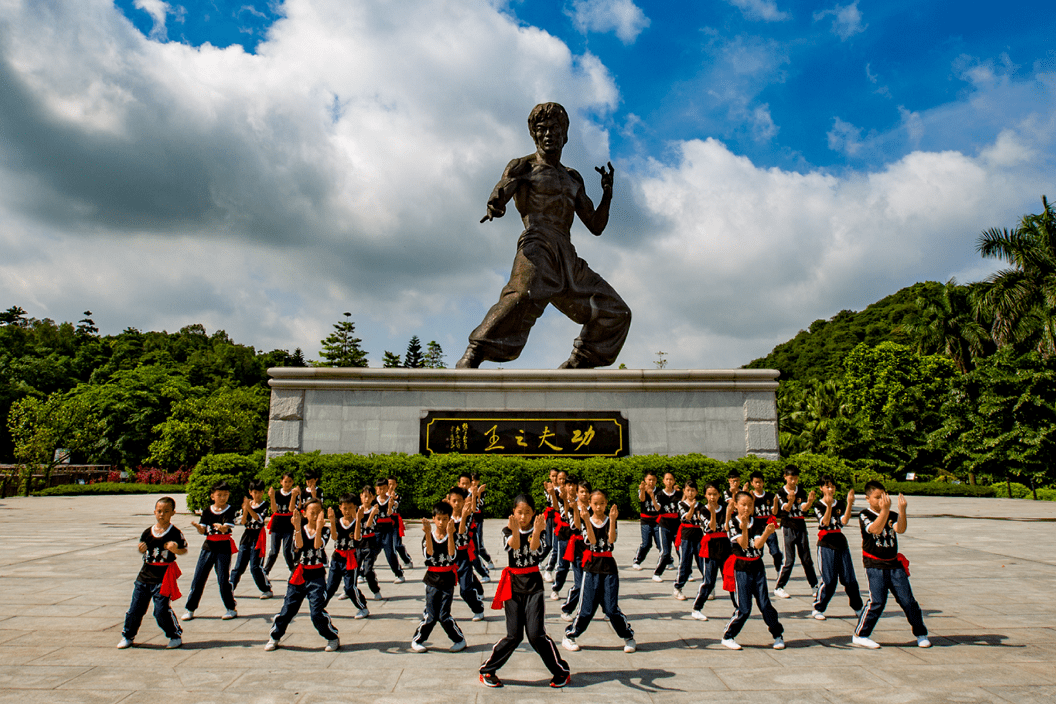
(113, 476)
(153, 475)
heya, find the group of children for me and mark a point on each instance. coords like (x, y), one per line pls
(718, 533)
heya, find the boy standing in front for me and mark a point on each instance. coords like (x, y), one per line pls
(440, 578)
(834, 555)
(254, 544)
(886, 568)
(216, 523)
(159, 544)
(790, 506)
(745, 574)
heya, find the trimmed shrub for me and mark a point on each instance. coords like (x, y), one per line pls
(235, 469)
(110, 488)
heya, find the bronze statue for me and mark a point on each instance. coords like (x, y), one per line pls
(546, 269)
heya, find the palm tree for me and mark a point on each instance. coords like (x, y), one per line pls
(1022, 299)
(946, 324)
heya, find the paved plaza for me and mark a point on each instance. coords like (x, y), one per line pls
(983, 570)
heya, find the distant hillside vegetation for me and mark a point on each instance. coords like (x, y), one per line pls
(818, 353)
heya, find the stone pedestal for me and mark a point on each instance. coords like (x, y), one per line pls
(724, 414)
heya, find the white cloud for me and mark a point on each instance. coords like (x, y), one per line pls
(846, 20)
(157, 9)
(845, 137)
(765, 10)
(620, 16)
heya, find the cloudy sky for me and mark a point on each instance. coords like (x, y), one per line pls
(262, 167)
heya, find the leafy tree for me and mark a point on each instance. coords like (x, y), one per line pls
(14, 316)
(391, 360)
(413, 358)
(86, 326)
(434, 356)
(809, 416)
(946, 324)
(340, 348)
(228, 420)
(40, 427)
(1022, 299)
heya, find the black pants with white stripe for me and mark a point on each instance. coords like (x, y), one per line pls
(438, 609)
(836, 568)
(524, 615)
(314, 589)
(752, 585)
(797, 539)
(468, 585)
(142, 594)
(339, 573)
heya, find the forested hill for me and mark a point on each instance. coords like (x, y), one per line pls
(818, 353)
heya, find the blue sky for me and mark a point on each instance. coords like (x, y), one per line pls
(263, 167)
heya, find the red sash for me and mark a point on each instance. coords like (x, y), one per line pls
(297, 578)
(169, 587)
(350, 559)
(399, 520)
(589, 555)
(262, 542)
(548, 512)
(772, 521)
(667, 515)
(570, 548)
(823, 533)
(504, 592)
(222, 538)
(678, 535)
(707, 539)
(649, 516)
(729, 581)
(471, 550)
(900, 557)
(271, 521)
(445, 568)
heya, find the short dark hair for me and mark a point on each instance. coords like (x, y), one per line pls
(524, 499)
(547, 111)
(220, 486)
(739, 494)
(712, 485)
(586, 485)
(790, 470)
(394, 479)
(367, 489)
(458, 491)
(312, 474)
(565, 472)
(382, 482)
(599, 491)
(349, 499)
(690, 484)
(826, 479)
(311, 502)
(288, 474)
(255, 485)
(756, 475)
(733, 474)
(465, 475)
(441, 508)
(873, 485)
(649, 473)
(572, 479)
(166, 500)
(475, 477)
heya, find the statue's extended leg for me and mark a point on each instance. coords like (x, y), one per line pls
(605, 317)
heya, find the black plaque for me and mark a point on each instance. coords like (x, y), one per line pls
(525, 433)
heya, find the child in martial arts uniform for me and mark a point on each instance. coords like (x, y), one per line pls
(439, 548)
(745, 574)
(466, 481)
(520, 593)
(401, 551)
(479, 492)
(253, 546)
(548, 512)
(554, 500)
(734, 480)
(886, 568)
(308, 579)
(367, 548)
(688, 538)
(648, 514)
(668, 498)
(217, 521)
(280, 527)
(347, 530)
(465, 552)
(834, 555)
(576, 500)
(714, 548)
(764, 509)
(790, 506)
(312, 490)
(386, 528)
(601, 581)
(156, 581)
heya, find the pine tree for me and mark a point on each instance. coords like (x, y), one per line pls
(86, 326)
(413, 359)
(434, 356)
(391, 360)
(340, 348)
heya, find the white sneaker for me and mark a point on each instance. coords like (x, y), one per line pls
(418, 647)
(657, 578)
(730, 643)
(699, 615)
(491, 565)
(266, 595)
(570, 644)
(399, 580)
(636, 567)
(187, 616)
(458, 647)
(554, 596)
(629, 646)
(377, 596)
(478, 617)
(678, 594)
(362, 613)
(779, 592)
(485, 579)
(691, 578)
(229, 614)
(779, 643)
(923, 642)
(567, 616)
(817, 615)
(174, 643)
(864, 642)
(333, 645)
(409, 565)
(271, 645)
(548, 576)
(342, 596)
(124, 643)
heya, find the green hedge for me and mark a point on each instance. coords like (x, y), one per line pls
(110, 488)
(235, 469)
(937, 489)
